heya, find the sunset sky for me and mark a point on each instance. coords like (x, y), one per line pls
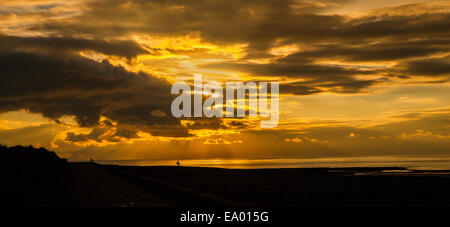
(358, 78)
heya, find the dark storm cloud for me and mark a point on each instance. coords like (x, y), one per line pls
(107, 131)
(387, 51)
(126, 133)
(298, 88)
(426, 67)
(313, 87)
(70, 85)
(259, 22)
(126, 49)
(102, 134)
(402, 36)
(215, 19)
(352, 86)
(299, 69)
(94, 135)
(337, 79)
(345, 85)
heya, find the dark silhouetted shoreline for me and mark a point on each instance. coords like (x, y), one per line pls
(37, 177)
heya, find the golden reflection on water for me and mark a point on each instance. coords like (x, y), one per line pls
(410, 163)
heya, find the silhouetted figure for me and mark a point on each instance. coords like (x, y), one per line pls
(91, 160)
(178, 163)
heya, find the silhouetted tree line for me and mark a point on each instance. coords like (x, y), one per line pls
(30, 175)
(27, 156)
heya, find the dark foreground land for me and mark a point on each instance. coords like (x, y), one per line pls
(36, 177)
(305, 187)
